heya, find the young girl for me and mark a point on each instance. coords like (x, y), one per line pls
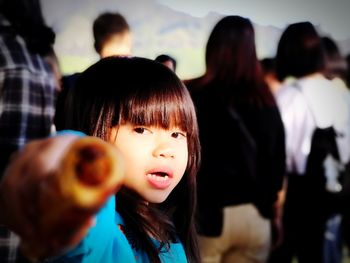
(141, 107)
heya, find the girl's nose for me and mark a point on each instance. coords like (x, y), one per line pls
(164, 150)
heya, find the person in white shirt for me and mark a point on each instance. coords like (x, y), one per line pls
(308, 102)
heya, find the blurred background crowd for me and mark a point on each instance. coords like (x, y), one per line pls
(270, 83)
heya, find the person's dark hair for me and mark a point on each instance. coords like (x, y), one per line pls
(299, 51)
(335, 65)
(268, 65)
(232, 63)
(107, 25)
(143, 92)
(347, 59)
(27, 20)
(163, 58)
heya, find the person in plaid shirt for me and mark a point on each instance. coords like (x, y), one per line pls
(27, 89)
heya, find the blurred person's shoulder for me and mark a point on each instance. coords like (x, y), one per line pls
(288, 93)
(15, 55)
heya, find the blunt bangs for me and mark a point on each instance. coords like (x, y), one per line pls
(164, 107)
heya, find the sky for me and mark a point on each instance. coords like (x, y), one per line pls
(332, 15)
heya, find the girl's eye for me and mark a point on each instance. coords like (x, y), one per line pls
(140, 130)
(178, 135)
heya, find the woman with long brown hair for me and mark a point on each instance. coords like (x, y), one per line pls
(242, 140)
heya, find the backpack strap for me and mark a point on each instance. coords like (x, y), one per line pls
(242, 127)
(248, 144)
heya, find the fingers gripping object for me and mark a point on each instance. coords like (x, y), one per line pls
(90, 172)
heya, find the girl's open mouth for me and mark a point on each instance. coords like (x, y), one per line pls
(159, 180)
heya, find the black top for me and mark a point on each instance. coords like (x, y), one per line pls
(223, 179)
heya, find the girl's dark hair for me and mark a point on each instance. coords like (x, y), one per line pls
(232, 63)
(299, 52)
(26, 18)
(140, 91)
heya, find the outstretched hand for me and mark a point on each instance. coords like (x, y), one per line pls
(33, 203)
(22, 190)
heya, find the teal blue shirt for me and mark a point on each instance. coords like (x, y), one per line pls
(106, 243)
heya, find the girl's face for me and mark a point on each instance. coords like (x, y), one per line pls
(155, 159)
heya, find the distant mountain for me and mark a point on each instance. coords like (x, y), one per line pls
(156, 29)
